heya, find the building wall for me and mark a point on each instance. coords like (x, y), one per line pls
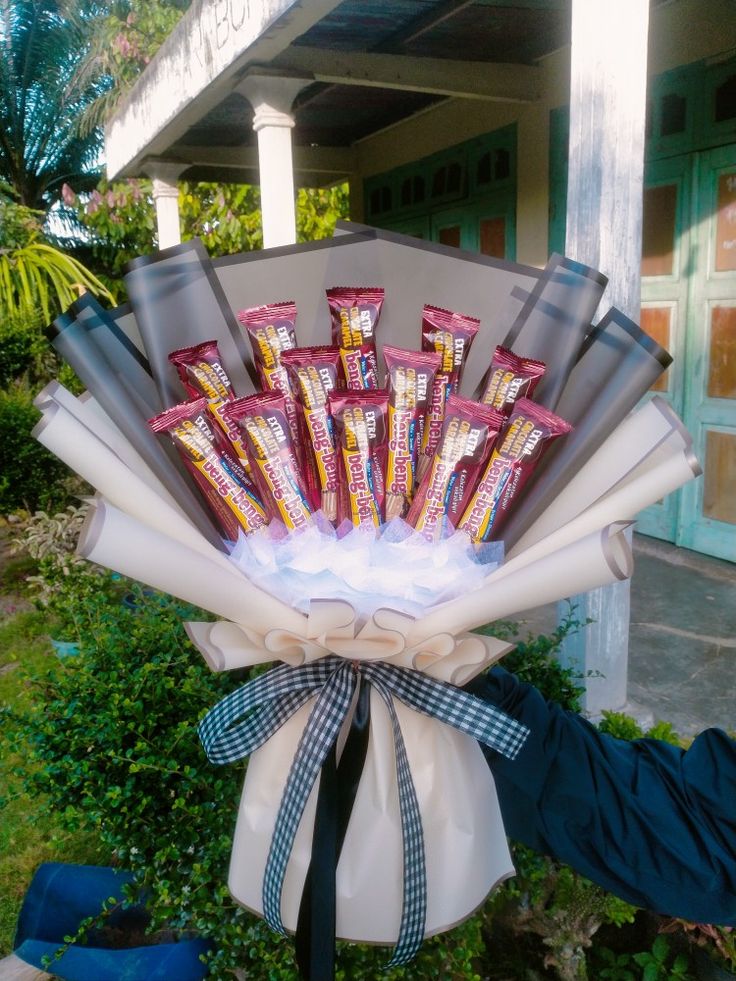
(684, 31)
(681, 32)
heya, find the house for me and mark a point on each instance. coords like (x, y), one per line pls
(514, 128)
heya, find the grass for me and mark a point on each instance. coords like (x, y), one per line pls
(29, 835)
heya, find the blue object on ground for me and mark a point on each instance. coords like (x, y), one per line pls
(65, 648)
(60, 896)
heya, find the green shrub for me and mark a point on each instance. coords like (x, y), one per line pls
(24, 351)
(623, 726)
(111, 745)
(658, 963)
(31, 477)
(549, 914)
(620, 725)
(534, 659)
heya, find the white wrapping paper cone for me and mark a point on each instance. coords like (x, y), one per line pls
(94, 418)
(226, 646)
(116, 541)
(88, 456)
(434, 650)
(667, 467)
(473, 653)
(464, 841)
(629, 444)
(599, 559)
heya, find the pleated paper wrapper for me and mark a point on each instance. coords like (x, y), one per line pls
(568, 534)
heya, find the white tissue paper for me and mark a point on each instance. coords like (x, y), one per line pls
(394, 567)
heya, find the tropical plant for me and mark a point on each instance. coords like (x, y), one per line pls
(35, 276)
(51, 539)
(43, 42)
(564, 909)
(40, 275)
(119, 218)
(123, 37)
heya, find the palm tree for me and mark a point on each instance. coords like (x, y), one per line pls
(42, 99)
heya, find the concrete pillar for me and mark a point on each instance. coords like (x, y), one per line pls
(271, 97)
(166, 200)
(608, 78)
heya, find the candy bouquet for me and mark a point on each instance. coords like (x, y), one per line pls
(352, 479)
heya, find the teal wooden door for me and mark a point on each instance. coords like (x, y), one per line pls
(666, 259)
(708, 505)
(486, 227)
(689, 306)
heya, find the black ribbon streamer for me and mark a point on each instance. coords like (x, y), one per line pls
(338, 786)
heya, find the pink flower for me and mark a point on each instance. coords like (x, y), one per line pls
(68, 196)
(93, 205)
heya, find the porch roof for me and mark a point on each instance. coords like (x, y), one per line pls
(405, 55)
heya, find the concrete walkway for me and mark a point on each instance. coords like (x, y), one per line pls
(682, 654)
(682, 640)
(14, 969)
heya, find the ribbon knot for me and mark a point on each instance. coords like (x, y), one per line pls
(248, 717)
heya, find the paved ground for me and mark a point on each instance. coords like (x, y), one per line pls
(14, 969)
(682, 640)
(682, 661)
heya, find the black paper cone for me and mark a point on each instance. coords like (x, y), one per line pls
(130, 413)
(554, 321)
(129, 363)
(178, 302)
(618, 366)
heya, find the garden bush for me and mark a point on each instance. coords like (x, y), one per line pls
(111, 745)
(24, 351)
(31, 477)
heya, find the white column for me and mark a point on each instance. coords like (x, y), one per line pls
(608, 81)
(271, 97)
(166, 200)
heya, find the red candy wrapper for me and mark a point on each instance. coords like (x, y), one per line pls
(469, 433)
(271, 331)
(509, 379)
(410, 377)
(218, 411)
(222, 481)
(314, 372)
(354, 311)
(360, 434)
(529, 431)
(449, 335)
(201, 373)
(263, 420)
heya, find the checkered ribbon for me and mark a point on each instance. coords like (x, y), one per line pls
(247, 718)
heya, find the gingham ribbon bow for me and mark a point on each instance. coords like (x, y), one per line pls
(248, 717)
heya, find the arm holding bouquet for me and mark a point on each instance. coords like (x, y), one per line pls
(652, 823)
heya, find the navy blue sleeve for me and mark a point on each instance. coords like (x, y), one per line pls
(652, 823)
